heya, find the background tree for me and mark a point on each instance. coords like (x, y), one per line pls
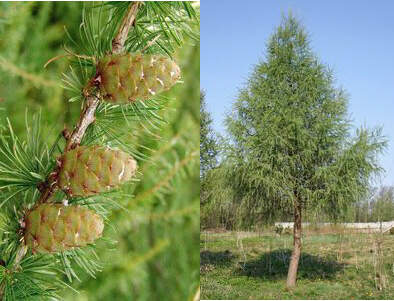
(208, 140)
(382, 205)
(209, 151)
(292, 143)
(155, 220)
(376, 206)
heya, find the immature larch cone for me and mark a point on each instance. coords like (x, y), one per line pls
(54, 227)
(88, 170)
(129, 77)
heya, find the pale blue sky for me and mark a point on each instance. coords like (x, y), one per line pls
(354, 37)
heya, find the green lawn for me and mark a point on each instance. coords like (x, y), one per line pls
(333, 266)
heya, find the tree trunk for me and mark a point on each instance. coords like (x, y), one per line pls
(295, 256)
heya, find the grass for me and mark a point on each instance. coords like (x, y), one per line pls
(332, 266)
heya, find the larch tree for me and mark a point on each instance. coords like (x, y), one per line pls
(208, 141)
(293, 145)
(208, 152)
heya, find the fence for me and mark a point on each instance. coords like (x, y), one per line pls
(370, 227)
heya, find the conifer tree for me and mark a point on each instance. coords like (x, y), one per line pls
(56, 199)
(208, 142)
(208, 153)
(292, 143)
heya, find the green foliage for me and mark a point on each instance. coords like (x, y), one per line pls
(25, 164)
(35, 279)
(33, 33)
(219, 207)
(382, 207)
(160, 27)
(378, 206)
(209, 151)
(291, 136)
(208, 141)
(152, 224)
(164, 24)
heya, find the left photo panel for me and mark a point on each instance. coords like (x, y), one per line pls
(99, 148)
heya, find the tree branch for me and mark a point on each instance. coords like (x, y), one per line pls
(86, 118)
(120, 39)
(92, 101)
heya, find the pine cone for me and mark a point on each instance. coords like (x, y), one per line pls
(55, 227)
(129, 77)
(88, 170)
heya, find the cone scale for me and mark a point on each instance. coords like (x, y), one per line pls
(129, 77)
(54, 227)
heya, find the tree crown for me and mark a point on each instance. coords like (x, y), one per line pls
(291, 133)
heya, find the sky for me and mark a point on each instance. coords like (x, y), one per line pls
(354, 37)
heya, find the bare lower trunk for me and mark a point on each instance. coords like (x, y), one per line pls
(295, 256)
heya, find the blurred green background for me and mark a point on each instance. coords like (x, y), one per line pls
(155, 255)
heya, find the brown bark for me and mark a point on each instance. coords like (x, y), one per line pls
(86, 118)
(128, 21)
(295, 256)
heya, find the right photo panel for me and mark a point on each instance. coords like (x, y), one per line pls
(297, 150)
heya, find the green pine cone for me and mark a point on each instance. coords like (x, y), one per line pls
(129, 77)
(88, 170)
(55, 227)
